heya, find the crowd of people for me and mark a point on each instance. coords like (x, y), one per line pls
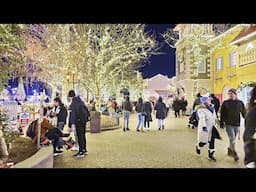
(209, 113)
(211, 116)
(230, 112)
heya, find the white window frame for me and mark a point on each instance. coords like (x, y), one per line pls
(203, 64)
(219, 65)
(233, 59)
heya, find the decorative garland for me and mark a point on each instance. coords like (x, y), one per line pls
(244, 85)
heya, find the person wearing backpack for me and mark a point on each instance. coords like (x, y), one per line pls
(79, 116)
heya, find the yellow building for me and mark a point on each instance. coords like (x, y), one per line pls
(224, 61)
(193, 67)
(245, 43)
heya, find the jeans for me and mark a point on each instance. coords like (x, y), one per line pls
(126, 119)
(160, 123)
(60, 142)
(232, 132)
(140, 121)
(80, 132)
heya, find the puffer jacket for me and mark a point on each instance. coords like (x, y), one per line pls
(209, 120)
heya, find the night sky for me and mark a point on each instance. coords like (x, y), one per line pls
(164, 63)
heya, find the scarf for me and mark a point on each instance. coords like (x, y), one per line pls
(210, 108)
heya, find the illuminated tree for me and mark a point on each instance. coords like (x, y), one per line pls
(11, 52)
(63, 53)
(96, 53)
(114, 49)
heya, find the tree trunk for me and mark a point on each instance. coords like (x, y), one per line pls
(3, 147)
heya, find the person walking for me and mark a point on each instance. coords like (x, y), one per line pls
(249, 136)
(160, 109)
(184, 104)
(127, 109)
(216, 102)
(176, 107)
(60, 111)
(148, 117)
(79, 116)
(197, 101)
(207, 130)
(140, 109)
(230, 118)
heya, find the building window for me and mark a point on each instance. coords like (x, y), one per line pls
(202, 66)
(219, 63)
(233, 59)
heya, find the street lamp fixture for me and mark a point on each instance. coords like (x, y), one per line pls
(73, 79)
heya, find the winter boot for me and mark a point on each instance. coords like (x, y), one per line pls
(159, 128)
(124, 129)
(162, 127)
(210, 155)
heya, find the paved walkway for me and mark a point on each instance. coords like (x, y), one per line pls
(173, 147)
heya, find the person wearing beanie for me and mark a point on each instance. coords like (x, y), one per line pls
(207, 130)
(230, 118)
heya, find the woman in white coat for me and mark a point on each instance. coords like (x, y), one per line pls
(207, 130)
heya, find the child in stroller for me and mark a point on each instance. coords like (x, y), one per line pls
(193, 120)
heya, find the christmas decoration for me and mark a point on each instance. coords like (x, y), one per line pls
(94, 55)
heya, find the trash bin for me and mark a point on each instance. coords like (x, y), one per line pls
(95, 122)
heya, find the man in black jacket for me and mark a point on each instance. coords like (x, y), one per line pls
(230, 115)
(78, 117)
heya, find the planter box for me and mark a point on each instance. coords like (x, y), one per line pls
(41, 159)
(95, 122)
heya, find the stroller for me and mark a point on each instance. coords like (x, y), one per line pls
(193, 120)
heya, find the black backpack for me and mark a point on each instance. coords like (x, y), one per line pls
(82, 113)
(31, 129)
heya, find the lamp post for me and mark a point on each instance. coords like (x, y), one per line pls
(73, 81)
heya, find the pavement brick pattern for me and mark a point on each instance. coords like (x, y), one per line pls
(173, 147)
